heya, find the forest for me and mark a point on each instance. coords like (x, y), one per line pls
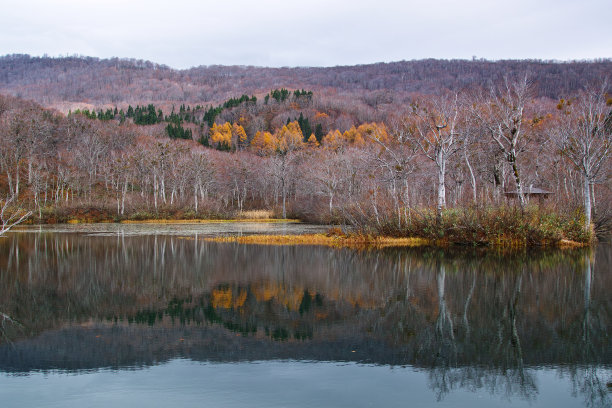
(462, 151)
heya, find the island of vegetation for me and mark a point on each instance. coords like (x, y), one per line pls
(508, 160)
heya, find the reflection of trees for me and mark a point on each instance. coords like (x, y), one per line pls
(468, 299)
(510, 352)
(586, 324)
(443, 340)
(444, 323)
(504, 371)
(473, 320)
(587, 378)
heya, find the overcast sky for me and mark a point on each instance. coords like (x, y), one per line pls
(186, 33)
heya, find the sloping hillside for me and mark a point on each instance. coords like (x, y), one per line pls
(59, 82)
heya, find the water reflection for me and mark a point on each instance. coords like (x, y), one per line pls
(473, 320)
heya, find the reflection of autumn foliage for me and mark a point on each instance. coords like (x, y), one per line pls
(225, 298)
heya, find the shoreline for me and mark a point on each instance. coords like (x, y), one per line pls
(210, 221)
(337, 238)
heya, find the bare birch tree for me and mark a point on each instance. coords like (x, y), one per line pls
(502, 114)
(585, 139)
(436, 132)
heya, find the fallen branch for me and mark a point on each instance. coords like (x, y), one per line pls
(13, 218)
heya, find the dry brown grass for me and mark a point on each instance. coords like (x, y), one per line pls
(337, 241)
(200, 221)
(88, 221)
(257, 215)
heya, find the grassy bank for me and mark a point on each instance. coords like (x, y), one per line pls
(489, 226)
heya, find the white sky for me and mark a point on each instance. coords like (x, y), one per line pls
(186, 33)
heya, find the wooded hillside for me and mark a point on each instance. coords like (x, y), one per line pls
(120, 82)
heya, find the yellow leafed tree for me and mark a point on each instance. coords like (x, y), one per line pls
(264, 143)
(228, 136)
(239, 136)
(221, 135)
(290, 138)
(312, 141)
(333, 140)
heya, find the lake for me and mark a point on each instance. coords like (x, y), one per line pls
(146, 315)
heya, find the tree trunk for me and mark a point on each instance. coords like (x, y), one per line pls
(283, 186)
(123, 194)
(441, 185)
(587, 203)
(10, 181)
(517, 179)
(593, 205)
(472, 177)
(17, 184)
(284, 198)
(155, 191)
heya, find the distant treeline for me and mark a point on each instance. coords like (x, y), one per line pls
(113, 81)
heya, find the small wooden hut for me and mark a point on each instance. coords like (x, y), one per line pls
(530, 192)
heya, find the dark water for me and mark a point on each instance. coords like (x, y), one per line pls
(154, 316)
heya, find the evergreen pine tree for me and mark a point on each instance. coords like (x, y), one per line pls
(319, 132)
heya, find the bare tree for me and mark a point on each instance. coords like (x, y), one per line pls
(585, 138)
(436, 132)
(502, 114)
(201, 176)
(16, 139)
(396, 159)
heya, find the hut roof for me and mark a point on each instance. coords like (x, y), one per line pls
(530, 191)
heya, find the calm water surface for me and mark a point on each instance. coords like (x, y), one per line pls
(152, 315)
